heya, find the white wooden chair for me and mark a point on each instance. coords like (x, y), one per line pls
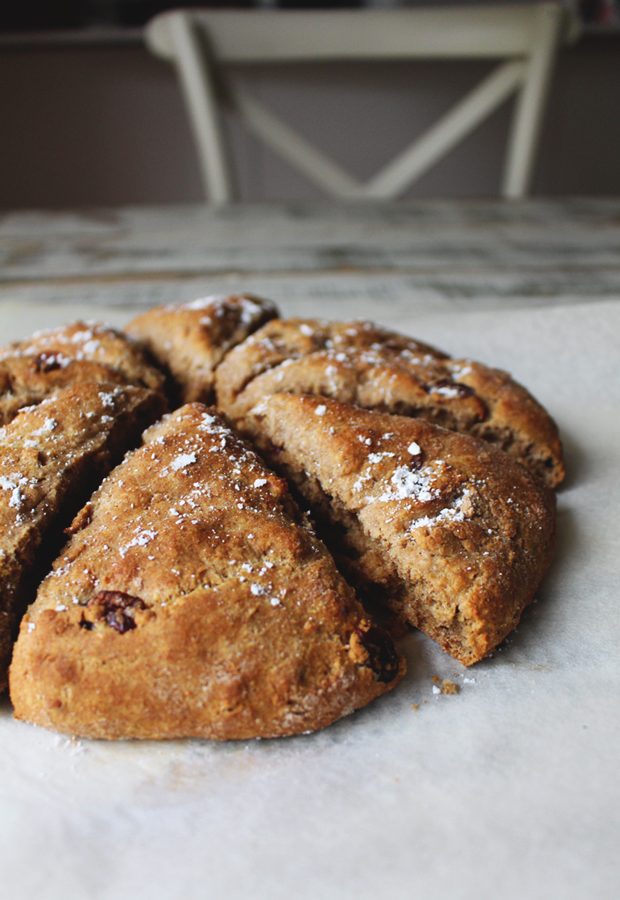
(525, 37)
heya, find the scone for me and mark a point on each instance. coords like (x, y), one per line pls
(454, 534)
(360, 363)
(52, 456)
(189, 341)
(194, 600)
(80, 352)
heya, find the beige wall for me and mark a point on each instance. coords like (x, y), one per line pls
(93, 126)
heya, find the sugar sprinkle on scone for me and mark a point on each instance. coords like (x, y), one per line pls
(39, 366)
(194, 600)
(189, 341)
(453, 533)
(361, 363)
(52, 456)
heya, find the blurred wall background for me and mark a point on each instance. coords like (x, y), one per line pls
(104, 124)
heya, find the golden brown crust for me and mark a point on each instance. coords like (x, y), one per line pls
(456, 532)
(194, 600)
(189, 341)
(360, 363)
(39, 366)
(51, 458)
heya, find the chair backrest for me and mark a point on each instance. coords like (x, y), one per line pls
(524, 37)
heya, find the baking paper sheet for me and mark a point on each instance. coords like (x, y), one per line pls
(509, 789)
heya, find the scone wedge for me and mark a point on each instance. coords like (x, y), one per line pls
(453, 534)
(49, 361)
(190, 340)
(361, 363)
(194, 600)
(52, 457)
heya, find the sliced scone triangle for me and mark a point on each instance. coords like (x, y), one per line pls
(52, 457)
(361, 363)
(194, 600)
(49, 361)
(190, 340)
(454, 534)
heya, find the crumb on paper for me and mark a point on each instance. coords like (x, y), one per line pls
(445, 686)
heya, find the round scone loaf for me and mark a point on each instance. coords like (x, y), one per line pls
(189, 341)
(81, 352)
(452, 533)
(361, 363)
(195, 600)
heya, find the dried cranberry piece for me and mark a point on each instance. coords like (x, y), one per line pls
(118, 609)
(382, 657)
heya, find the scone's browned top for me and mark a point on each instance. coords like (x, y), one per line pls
(195, 600)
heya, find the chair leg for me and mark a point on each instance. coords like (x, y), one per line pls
(527, 121)
(202, 104)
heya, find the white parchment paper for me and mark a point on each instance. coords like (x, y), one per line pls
(509, 789)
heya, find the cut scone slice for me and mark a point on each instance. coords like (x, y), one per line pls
(43, 364)
(193, 600)
(454, 534)
(52, 457)
(361, 363)
(189, 341)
